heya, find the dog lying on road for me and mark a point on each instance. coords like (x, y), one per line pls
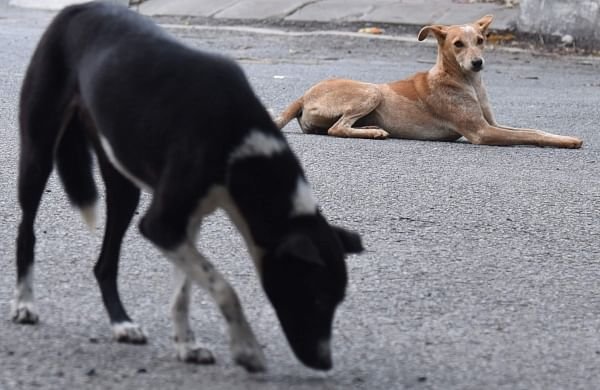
(185, 126)
(443, 104)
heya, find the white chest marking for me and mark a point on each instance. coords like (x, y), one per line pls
(303, 201)
(218, 197)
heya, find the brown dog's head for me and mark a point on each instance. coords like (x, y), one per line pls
(461, 45)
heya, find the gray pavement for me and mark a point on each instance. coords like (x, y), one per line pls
(482, 265)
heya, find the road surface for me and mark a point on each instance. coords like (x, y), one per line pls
(482, 263)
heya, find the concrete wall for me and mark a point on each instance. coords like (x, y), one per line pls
(578, 18)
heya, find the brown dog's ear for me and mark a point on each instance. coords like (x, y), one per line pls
(438, 30)
(484, 23)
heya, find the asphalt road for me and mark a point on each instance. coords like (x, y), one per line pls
(482, 264)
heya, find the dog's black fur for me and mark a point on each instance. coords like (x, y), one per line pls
(171, 119)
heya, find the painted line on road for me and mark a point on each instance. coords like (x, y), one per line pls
(274, 31)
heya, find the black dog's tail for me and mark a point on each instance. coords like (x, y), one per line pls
(74, 164)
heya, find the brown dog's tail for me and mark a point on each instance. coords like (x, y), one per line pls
(293, 111)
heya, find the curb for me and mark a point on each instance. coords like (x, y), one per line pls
(508, 26)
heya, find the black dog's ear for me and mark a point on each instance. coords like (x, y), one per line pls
(301, 248)
(350, 241)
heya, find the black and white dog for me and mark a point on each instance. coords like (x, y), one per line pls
(187, 127)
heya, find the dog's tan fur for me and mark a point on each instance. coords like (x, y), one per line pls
(443, 104)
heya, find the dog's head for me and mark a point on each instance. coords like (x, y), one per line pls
(460, 45)
(305, 279)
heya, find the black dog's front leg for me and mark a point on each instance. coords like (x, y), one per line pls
(168, 225)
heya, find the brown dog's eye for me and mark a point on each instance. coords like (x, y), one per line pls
(459, 44)
(479, 40)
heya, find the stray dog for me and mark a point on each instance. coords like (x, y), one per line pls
(186, 127)
(443, 104)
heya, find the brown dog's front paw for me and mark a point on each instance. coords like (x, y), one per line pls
(573, 143)
(381, 134)
(376, 132)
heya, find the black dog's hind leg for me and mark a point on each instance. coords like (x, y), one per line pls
(41, 119)
(43, 113)
(122, 198)
(34, 169)
(40, 126)
(74, 165)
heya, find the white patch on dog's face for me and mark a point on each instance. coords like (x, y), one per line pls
(303, 201)
(469, 29)
(258, 143)
(119, 167)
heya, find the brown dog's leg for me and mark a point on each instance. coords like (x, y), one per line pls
(353, 112)
(342, 128)
(496, 135)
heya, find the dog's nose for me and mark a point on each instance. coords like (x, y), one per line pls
(477, 64)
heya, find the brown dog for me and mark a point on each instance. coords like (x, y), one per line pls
(443, 104)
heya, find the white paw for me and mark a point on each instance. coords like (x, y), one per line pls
(380, 134)
(249, 355)
(190, 353)
(24, 313)
(129, 332)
